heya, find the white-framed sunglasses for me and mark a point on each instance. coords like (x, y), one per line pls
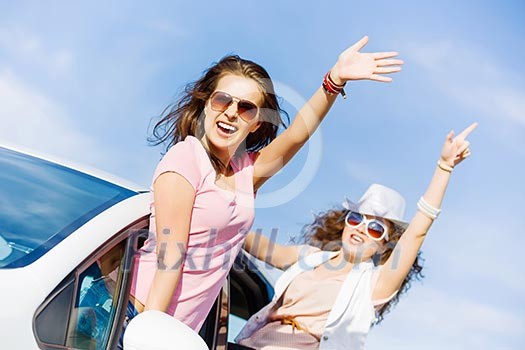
(375, 229)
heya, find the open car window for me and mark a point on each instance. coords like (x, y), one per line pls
(87, 309)
(95, 301)
(250, 291)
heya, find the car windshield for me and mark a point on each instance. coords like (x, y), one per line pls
(41, 203)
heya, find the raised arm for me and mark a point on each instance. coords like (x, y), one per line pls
(174, 198)
(396, 268)
(351, 65)
(280, 256)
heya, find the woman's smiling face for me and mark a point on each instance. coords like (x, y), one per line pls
(356, 242)
(225, 131)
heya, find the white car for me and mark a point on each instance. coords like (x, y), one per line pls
(67, 237)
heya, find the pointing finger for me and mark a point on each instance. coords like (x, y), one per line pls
(467, 131)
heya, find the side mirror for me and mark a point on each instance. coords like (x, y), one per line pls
(155, 330)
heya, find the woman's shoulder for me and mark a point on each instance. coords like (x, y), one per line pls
(190, 146)
(187, 158)
(306, 250)
(189, 151)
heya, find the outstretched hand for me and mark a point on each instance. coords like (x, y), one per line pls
(457, 148)
(355, 65)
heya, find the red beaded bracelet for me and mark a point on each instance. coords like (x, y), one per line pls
(332, 88)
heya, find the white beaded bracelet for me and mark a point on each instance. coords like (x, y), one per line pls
(427, 209)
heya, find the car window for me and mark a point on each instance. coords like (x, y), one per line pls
(95, 302)
(41, 203)
(249, 292)
(86, 310)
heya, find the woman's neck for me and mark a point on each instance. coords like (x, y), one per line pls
(224, 157)
(339, 263)
(350, 257)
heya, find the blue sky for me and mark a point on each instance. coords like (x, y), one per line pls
(82, 80)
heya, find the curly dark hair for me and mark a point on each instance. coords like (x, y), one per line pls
(185, 117)
(325, 233)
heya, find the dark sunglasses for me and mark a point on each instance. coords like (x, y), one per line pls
(374, 228)
(221, 101)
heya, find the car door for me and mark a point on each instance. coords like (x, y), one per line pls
(86, 310)
(244, 293)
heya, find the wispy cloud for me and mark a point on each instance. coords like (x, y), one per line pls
(23, 45)
(450, 322)
(473, 79)
(31, 119)
(19, 41)
(477, 254)
(363, 173)
(463, 315)
(167, 28)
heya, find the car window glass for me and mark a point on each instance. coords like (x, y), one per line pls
(239, 306)
(42, 203)
(249, 292)
(95, 302)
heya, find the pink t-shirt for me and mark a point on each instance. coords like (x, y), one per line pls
(219, 223)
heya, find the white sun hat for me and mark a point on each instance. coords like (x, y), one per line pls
(381, 201)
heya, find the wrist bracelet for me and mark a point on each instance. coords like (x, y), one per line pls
(444, 166)
(428, 210)
(332, 88)
(332, 81)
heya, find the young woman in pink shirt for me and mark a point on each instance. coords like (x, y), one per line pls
(224, 147)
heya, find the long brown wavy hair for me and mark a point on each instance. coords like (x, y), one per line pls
(186, 116)
(325, 232)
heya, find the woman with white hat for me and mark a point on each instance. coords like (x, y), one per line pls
(358, 261)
